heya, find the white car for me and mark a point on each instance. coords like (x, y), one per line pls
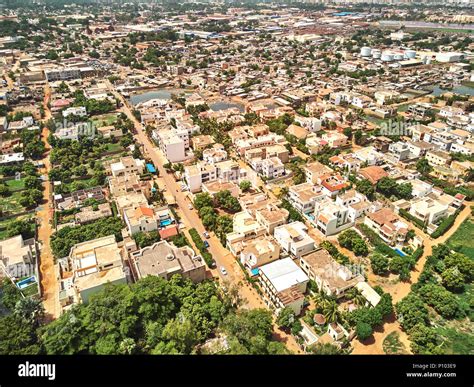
(191, 207)
(223, 270)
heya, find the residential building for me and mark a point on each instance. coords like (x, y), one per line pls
(271, 216)
(330, 217)
(88, 268)
(304, 197)
(18, 257)
(91, 213)
(257, 252)
(163, 259)
(283, 284)
(314, 171)
(387, 225)
(372, 173)
(293, 238)
(330, 276)
(127, 165)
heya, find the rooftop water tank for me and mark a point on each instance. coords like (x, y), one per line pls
(365, 51)
(387, 56)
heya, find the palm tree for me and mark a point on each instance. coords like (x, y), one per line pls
(330, 311)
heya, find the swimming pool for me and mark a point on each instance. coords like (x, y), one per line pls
(400, 253)
(26, 282)
(166, 222)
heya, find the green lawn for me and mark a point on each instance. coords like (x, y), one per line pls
(104, 120)
(462, 240)
(15, 185)
(4, 224)
(114, 147)
(456, 342)
(392, 345)
(10, 203)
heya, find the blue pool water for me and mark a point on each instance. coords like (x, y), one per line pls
(26, 282)
(165, 222)
(151, 168)
(400, 253)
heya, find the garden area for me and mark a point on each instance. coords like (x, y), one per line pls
(104, 120)
(437, 314)
(462, 240)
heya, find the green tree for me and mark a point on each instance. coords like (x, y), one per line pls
(411, 311)
(286, 318)
(453, 279)
(379, 263)
(423, 166)
(365, 187)
(245, 185)
(363, 331)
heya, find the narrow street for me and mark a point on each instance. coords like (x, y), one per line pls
(49, 283)
(191, 219)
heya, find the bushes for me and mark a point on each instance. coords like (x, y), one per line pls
(445, 225)
(294, 214)
(334, 252)
(200, 245)
(64, 239)
(417, 222)
(350, 239)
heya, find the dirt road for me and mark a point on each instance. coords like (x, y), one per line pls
(49, 283)
(191, 219)
(401, 289)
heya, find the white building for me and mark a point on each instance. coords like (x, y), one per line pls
(283, 284)
(293, 238)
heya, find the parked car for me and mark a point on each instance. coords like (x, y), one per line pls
(223, 270)
(206, 244)
(206, 234)
(191, 207)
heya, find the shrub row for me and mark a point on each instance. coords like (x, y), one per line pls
(445, 225)
(206, 255)
(417, 222)
(376, 241)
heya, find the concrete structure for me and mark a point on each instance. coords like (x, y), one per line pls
(88, 268)
(164, 260)
(293, 238)
(331, 277)
(387, 225)
(283, 284)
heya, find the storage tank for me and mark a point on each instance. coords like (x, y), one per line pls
(387, 56)
(365, 51)
(376, 54)
(410, 54)
(398, 56)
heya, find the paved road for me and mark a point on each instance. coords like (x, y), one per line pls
(191, 219)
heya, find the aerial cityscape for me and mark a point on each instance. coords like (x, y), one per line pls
(237, 177)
